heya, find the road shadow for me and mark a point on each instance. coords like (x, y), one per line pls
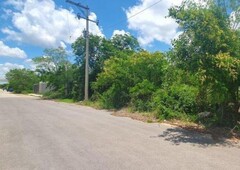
(179, 136)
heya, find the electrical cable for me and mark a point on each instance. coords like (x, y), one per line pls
(144, 9)
(132, 16)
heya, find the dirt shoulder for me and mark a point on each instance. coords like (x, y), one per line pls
(217, 133)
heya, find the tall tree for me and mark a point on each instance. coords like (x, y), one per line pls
(55, 68)
(100, 49)
(208, 47)
(51, 61)
(125, 42)
(137, 74)
(95, 56)
(230, 8)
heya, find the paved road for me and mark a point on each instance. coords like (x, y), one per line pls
(45, 135)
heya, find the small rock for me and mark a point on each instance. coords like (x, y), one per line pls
(204, 114)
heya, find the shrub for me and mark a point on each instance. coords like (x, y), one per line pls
(141, 95)
(53, 95)
(175, 102)
(114, 97)
(123, 77)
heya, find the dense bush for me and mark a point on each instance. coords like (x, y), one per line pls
(100, 49)
(112, 85)
(175, 101)
(22, 80)
(53, 95)
(122, 78)
(141, 95)
(209, 48)
(114, 98)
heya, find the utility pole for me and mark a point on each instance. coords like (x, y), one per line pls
(86, 17)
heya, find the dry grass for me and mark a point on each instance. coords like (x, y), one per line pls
(144, 117)
(217, 133)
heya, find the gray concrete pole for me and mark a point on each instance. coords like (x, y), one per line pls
(87, 58)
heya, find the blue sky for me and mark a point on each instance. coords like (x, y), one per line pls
(27, 27)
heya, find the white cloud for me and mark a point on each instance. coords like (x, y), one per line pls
(119, 32)
(29, 60)
(30, 64)
(63, 45)
(152, 24)
(41, 23)
(6, 51)
(4, 68)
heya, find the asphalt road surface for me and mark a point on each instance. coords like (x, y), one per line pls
(45, 135)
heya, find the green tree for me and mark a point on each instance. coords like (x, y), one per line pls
(51, 61)
(54, 68)
(95, 59)
(130, 78)
(22, 80)
(125, 42)
(231, 8)
(100, 49)
(209, 48)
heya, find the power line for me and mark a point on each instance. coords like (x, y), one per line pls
(144, 9)
(132, 16)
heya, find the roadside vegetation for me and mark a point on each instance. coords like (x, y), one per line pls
(196, 81)
(21, 80)
(4, 86)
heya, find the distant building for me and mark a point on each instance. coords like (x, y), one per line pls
(41, 88)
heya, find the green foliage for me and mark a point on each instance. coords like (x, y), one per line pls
(205, 32)
(230, 5)
(96, 56)
(100, 49)
(122, 77)
(53, 95)
(66, 100)
(52, 59)
(114, 98)
(221, 80)
(55, 69)
(111, 87)
(175, 101)
(125, 42)
(4, 86)
(141, 95)
(22, 80)
(209, 47)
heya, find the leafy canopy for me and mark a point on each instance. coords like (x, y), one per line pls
(22, 80)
